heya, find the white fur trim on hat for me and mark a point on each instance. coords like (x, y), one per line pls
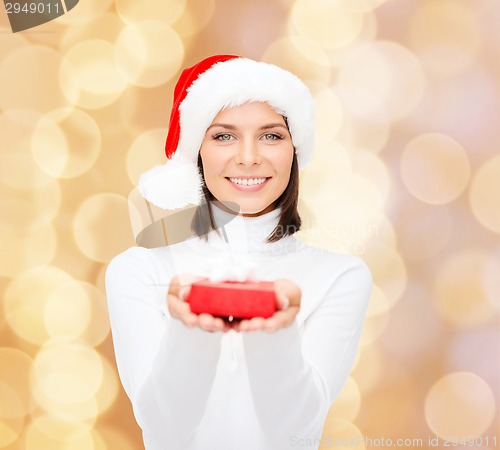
(238, 81)
(172, 185)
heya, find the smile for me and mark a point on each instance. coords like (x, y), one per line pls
(248, 184)
(247, 181)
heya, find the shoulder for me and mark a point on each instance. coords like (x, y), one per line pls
(333, 261)
(133, 261)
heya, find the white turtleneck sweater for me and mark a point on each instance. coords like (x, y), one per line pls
(196, 390)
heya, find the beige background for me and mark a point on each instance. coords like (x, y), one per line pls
(406, 175)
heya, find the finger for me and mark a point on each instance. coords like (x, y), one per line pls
(256, 323)
(209, 323)
(283, 301)
(281, 319)
(182, 311)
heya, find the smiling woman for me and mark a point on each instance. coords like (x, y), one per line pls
(239, 133)
(247, 150)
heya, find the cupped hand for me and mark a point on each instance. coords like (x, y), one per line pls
(180, 286)
(287, 293)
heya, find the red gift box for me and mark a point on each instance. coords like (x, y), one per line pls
(242, 300)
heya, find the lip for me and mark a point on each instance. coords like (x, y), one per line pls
(243, 188)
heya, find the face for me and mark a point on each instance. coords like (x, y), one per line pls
(247, 156)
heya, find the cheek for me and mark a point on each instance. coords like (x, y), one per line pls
(283, 165)
(209, 163)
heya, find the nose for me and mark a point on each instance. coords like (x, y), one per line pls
(248, 153)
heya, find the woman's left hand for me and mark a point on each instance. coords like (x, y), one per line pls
(287, 292)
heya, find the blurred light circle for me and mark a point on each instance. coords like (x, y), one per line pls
(446, 35)
(37, 440)
(358, 5)
(29, 210)
(327, 160)
(33, 70)
(352, 215)
(397, 389)
(329, 116)
(11, 415)
(88, 76)
(324, 24)
(115, 438)
(67, 371)
(195, 17)
(86, 14)
(372, 80)
(435, 168)
(378, 302)
(66, 143)
(484, 194)
(109, 388)
(11, 406)
(14, 373)
(300, 57)
(168, 11)
(403, 338)
(348, 403)
(25, 300)
(86, 410)
(148, 53)
(84, 316)
(15, 41)
(98, 328)
(373, 327)
(459, 289)
(415, 220)
(99, 443)
(341, 55)
(369, 369)
(459, 405)
(105, 27)
(474, 351)
(26, 250)
(132, 105)
(101, 226)
(67, 310)
(371, 166)
(18, 169)
(340, 433)
(146, 151)
(388, 269)
(357, 133)
(491, 280)
(62, 426)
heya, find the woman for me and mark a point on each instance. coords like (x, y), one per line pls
(239, 133)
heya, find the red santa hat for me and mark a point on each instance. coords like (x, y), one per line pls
(202, 91)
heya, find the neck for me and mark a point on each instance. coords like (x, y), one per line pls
(243, 233)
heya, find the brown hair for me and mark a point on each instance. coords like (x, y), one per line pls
(289, 221)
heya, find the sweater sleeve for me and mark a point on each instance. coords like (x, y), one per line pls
(156, 353)
(294, 379)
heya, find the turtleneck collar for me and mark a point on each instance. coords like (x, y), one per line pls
(246, 234)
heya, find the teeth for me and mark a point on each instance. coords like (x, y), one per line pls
(248, 182)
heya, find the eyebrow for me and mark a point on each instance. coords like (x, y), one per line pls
(232, 127)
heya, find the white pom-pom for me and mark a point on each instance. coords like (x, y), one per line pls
(172, 185)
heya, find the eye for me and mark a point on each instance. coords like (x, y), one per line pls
(272, 136)
(222, 137)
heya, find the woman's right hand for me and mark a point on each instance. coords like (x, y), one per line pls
(180, 286)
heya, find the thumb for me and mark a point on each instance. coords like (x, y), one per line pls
(283, 300)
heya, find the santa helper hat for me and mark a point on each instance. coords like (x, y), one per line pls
(202, 91)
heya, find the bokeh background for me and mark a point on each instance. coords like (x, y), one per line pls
(406, 175)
